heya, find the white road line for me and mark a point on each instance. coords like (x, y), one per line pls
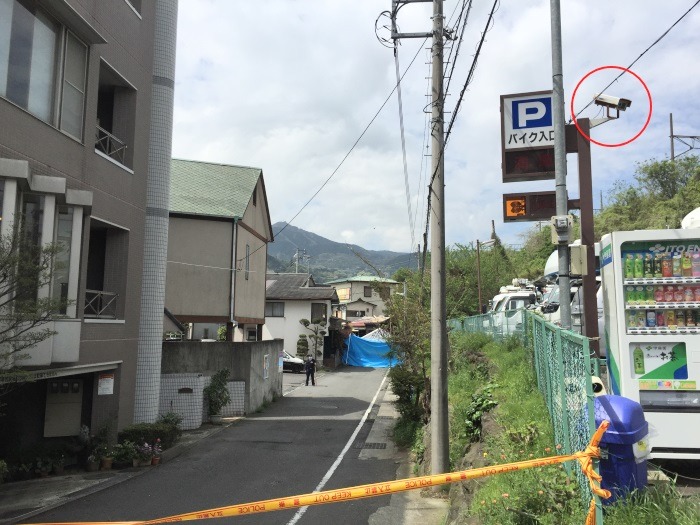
(337, 461)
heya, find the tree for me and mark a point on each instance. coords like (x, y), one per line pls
(316, 327)
(25, 269)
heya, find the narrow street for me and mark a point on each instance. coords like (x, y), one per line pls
(315, 438)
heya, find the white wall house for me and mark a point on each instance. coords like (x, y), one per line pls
(291, 297)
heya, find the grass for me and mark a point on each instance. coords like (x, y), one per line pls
(535, 496)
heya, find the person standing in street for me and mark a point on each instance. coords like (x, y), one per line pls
(310, 367)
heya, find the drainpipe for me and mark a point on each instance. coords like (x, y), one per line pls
(231, 325)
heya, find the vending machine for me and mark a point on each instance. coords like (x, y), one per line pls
(651, 296)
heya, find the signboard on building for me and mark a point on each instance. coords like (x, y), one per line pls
(527, 137)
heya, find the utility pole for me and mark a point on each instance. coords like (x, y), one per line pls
(562, 204)
(440, 460)
(439, 429)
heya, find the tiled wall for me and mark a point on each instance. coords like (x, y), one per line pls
(184, 395)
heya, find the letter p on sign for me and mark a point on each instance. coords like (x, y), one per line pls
(532, 113)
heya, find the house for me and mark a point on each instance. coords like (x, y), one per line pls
(362, 296)
(291, 297)
(85, 86)
(219, 228)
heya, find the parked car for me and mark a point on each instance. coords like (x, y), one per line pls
(291, 363)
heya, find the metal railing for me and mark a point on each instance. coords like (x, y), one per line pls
(563, 365)
(110, 145)
(100, 305)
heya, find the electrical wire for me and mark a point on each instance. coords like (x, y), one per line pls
(403, 143)
(441, 153)
(352, 148)
(640, 56)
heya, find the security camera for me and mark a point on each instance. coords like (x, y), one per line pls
(608, 101)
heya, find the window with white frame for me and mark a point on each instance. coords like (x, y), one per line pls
(247, 260)
(61, 269)
(43, 66)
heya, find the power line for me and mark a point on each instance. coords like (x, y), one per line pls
(386, 100)
(472, 69)
(641, 55)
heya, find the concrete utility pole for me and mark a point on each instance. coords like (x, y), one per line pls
(439, 457)
(439, 454)
(560, 163)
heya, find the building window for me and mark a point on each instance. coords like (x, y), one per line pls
(356, 313)
(318, 312)
(368, 291)
(247, 260)
(116, 116)
(35, 52)
(61, 270)
(274, 309)
(30, 247)
(251, 334)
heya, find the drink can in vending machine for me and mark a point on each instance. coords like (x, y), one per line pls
(670, 318)
(649, 294)
(668, 294)
(667, 266)
(690, 318)
(651, 318)
(680, 318)
(660, 318)
(659, 294)
(631, 319)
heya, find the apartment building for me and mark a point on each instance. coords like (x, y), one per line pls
(86, 112)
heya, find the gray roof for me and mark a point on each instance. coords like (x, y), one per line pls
(205, 188)
(297, 286)
(363, 279)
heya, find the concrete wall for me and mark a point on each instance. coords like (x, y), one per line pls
(246, 362)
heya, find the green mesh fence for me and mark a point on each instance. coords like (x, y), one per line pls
(564, 366)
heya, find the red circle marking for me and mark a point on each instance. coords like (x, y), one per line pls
(604, 144)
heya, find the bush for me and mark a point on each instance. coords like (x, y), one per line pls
(149, 432)
(172, 418)
(217, 392)
(124, 452)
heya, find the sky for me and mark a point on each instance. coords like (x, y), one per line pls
(290, 86)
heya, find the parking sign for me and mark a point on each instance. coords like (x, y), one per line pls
(527, 120)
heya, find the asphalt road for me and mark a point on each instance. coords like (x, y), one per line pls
(314, 438)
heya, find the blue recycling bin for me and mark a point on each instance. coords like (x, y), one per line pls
(622, 471)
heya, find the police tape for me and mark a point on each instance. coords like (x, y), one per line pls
(370, 490)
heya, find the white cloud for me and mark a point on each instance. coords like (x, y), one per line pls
(289, 86)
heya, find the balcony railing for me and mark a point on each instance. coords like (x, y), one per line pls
(100, 305)
(110, 145)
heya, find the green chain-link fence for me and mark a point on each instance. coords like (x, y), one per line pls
(564, 366)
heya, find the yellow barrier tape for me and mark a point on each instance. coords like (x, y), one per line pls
(380, 489)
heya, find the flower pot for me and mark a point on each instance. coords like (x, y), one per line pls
(92, 466)
(106, 463)
(215, 419)
(155, 460)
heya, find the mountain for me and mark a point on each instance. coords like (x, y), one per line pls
(327, 260)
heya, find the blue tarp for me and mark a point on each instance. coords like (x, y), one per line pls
(367, 353)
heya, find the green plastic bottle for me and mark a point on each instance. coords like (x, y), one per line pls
(638, 358)
(629, 266)
(639, 266)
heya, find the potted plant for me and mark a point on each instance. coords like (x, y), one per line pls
(144, 453)
(157, 449)
(92, 463)
(42, 466)
(217, 394)
(58, 460)
(106, 457)
(124, 453)
(3, 470)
